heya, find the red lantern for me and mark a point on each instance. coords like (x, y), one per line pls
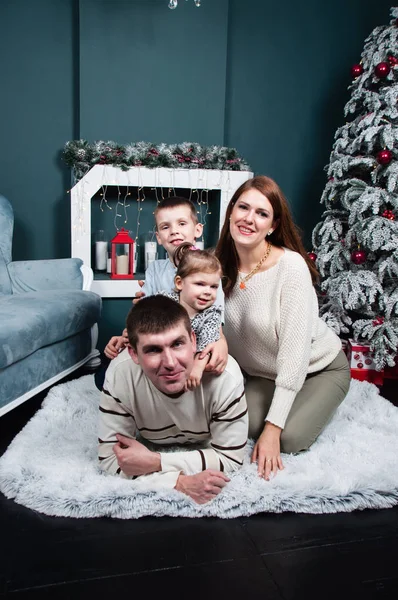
(382, 70)
(122, 257)
(356, 70)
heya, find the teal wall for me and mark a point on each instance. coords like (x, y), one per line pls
(288, 72)
(270, 80)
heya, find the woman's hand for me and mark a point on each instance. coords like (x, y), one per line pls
(267, 451)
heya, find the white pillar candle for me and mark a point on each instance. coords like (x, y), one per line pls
(122, 264)
(135, 259)
(109, 265)
(150, 253)
(101, 254)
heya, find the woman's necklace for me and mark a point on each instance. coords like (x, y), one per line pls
(246, 278)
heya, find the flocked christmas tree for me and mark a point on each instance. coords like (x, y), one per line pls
(356, 243)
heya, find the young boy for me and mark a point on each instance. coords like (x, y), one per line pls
(176, 222)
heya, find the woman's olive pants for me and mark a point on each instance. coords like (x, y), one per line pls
(312, 409)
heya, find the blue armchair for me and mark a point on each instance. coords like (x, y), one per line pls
(48, 319)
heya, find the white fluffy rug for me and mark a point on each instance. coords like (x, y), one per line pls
(51, 465)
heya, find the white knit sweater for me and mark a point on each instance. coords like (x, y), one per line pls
(273, 330)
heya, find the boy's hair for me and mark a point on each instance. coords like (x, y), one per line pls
(155, 314)
(174, 201)
(189, 260)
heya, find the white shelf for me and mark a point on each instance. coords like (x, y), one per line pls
(82, 193)
(115, 288)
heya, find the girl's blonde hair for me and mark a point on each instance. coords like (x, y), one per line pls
(189, 260)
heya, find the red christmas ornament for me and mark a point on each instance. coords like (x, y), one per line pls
(382, 70)
(393, 60)
(388, 214)
(358, 257)
(384, 157)
(312, 256)
(356, 71)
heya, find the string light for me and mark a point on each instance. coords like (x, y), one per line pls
(174, 3)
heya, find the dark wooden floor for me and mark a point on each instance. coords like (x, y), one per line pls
(267, 556)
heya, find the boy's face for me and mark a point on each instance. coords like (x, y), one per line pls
(175, 226)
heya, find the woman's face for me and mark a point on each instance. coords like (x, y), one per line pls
(252, 218)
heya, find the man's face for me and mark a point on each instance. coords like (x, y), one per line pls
(175, 226)
(166, 358)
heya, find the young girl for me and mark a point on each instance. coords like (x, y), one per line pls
(196, 283)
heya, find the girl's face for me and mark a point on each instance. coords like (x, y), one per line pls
(252, 217)
(198, 291)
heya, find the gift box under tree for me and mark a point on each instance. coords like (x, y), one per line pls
(362, 365)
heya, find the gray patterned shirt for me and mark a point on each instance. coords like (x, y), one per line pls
(206, 324)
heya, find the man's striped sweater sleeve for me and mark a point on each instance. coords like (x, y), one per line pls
(114, 418)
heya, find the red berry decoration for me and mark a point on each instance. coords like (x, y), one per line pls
(382, 70)
(356, 71)
(358, 257)
(312, 256)
(393, 60)
(384, 157)
(378, 321)
(388, 214)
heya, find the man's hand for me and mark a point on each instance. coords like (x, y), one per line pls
(203, 486)
(138, 295)
(219, 356)
(267, 451)
(134, 458)
(115, 344)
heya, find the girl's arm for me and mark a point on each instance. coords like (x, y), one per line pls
(218, 352)
(195, 376)
(211, 341)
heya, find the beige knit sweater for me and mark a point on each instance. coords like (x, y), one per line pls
(273, 330)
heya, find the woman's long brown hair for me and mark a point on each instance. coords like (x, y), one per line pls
(285, 234)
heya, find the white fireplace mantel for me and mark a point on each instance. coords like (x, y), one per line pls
(81, 195)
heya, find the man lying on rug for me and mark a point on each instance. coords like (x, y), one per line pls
(145, 392)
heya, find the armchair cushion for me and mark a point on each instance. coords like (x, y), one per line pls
(6, 226)
(40, 275)
(36, 319)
